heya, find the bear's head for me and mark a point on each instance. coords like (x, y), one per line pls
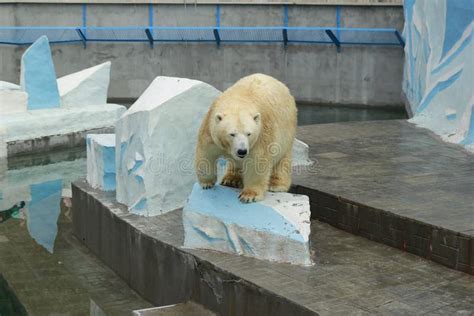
(236, 131)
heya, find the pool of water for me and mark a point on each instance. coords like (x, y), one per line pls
(321, 114)
(325, 113)
(9, 303)
(48, 269)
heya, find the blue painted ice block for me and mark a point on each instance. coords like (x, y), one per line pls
(275, 229)
(101, 161)
(38, 77)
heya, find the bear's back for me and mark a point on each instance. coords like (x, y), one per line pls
(265, 91)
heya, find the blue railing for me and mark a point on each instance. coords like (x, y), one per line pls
(338, 36)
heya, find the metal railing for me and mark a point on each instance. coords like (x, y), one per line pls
(338, 36)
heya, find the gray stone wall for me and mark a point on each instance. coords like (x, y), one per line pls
(367, 75)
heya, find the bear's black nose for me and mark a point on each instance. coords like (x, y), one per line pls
(242, 153)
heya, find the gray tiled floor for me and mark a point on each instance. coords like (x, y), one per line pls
(394, 166)
(352, 275)
(67, 282)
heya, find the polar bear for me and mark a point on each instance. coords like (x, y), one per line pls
(252, 125)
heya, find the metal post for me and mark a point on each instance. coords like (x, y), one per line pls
(149, 36)
(338, 31)
(150, 25)
(334, 39)
(150, 14)
(218, 25)
(285, 24)
(83, 33)
(400, 38)
(82, 36)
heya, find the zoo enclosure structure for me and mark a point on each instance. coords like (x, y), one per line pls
(285, 34)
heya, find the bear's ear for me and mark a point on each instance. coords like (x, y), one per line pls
(256, 117)
(218, 117)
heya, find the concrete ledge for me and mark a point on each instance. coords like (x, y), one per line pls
(444, 246)
(47, 129)
(351, 275)
(146, 253)
(393, 183)
(52, 142)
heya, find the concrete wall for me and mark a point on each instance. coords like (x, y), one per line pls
(369, 75)
(9, 60)
(439, 68)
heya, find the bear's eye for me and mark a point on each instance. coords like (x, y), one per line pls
(248, 134)
(232, 134)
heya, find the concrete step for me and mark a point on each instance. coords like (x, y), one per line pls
(393, 183)
(351, 274)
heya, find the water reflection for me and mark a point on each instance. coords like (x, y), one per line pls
(33, 194)
(49, 271)
(9, 303)
(14, 212)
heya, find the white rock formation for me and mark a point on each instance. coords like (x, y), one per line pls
(156, 140)
(86, 87)
(13, 101)
(101, 161)
(275, 229)
(32, 110)
(12, 98)
(300, 154)
(5, 85)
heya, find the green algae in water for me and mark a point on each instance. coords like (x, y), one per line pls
(13, 212)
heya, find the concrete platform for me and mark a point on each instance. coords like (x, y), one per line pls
(394, 183)
(351, 275)
(46, 144)
(53, 129)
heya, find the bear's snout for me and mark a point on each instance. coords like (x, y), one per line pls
(242, 153)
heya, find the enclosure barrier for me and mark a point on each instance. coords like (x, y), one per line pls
(338, 36)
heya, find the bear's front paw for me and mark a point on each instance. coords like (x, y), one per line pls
(249, 196)
(207, 184)
(234, 181)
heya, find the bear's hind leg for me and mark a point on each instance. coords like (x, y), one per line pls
(280, 179)
(232, 177)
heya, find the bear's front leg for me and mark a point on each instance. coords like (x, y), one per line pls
(256, 175)
(233, 175)
(206, 168)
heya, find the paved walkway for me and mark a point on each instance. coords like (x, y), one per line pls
(394, 183)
